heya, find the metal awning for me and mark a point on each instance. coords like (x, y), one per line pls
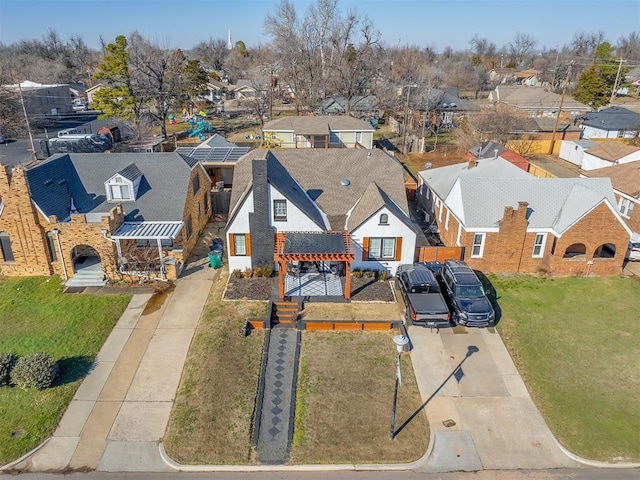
(147, 231)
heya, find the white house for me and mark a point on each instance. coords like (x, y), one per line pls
(612, 122)
(323, 195)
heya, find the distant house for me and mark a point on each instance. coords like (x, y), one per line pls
(318, 132)
(593, 155)
(245, 90)
(90, 217)
(612, 122)
(218, 156)
(529, 77)
(509, 221)
(359, 106)
(91, 91)
(346, 205)
(441, 106)
(43, 99)
(493, 150)
(216, 91)
(625, 180)
(535, 102)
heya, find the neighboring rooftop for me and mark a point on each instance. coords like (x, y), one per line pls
(612, 151)
(534, 97)
(612, 118)
(625, 177)
(317, 125)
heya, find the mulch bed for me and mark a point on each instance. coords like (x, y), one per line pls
(362, 289)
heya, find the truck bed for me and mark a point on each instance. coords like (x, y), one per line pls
(429, 309)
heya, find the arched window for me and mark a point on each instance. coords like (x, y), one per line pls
(606, 250)
(575, 250)
(384, 219)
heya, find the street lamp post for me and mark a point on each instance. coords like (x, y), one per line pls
(400, 341)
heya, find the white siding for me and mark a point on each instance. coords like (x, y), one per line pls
(395, 228)
(296, 218)
(240, 224)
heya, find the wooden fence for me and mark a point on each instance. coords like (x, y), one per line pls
(438, 254)
(220, 202)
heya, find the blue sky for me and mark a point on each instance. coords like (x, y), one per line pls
(437, 24)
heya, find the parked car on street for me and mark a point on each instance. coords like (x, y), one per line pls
(467, 299)
(422, 296)
(633, 252)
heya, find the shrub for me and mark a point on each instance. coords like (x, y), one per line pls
(267, 271)
(366, 273)
(257, 272)
(248, 272)
(384, 275)
(237, 273)
(7, 361)
(357, 273)
(34, 371)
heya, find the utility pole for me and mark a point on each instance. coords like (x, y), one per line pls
(615, 84)
(26, 119)
(555, 124)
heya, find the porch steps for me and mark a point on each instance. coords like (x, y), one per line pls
(86, 278)
(285, 313)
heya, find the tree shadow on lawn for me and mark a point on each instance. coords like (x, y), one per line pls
(73, 368)
(492, 294)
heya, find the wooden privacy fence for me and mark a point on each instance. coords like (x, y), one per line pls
(220, 202)
(438, 254)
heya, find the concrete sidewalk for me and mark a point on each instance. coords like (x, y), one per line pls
(469, 382)
(121, 409)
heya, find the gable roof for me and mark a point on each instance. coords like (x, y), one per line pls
(554, 203)
(81, 176)
(371, 201)
(317, 125)
(612, 151)
(625, 177)
(612, 118)
(534, 97)
(440, 180)
(486, 149)
(216, 140)
(319, 173)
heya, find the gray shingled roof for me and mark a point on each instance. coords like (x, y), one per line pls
(534, 97)
(612, 118)
(555, 203)
(369, 204)
(320, 171)
(442, 179)
(161, 194)
(317, 125)
(216, 141)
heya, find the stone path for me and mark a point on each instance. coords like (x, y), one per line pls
(276, 419)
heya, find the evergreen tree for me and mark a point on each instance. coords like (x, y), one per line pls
(592, 89)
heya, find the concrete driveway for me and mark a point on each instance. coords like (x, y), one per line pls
(479, 409)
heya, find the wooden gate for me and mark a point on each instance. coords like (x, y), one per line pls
(438, 254)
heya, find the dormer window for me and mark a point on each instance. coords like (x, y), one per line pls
(123, 186)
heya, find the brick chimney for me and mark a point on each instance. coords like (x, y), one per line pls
(472, 162)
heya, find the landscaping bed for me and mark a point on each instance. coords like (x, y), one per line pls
(260, 288)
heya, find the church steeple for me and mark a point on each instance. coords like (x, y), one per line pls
(229, 44)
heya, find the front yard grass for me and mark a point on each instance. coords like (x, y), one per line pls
(36, 317)
(576, 342)
(344, 399)
(212, 415)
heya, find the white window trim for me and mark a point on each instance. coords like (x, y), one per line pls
(542, 245)
(482, 242)
(235, 246)
(629, 203)
(459, 236)
(440, 212)
(446, 222)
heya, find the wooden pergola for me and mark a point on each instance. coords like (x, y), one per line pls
(313, 247)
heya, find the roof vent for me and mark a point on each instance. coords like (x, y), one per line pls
(48, 181)
(345, 182)
(428, 165)
(62, 182)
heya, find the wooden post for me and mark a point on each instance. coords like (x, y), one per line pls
(282, 271)
(347, 283)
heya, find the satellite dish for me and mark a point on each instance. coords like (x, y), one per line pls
(428, 165)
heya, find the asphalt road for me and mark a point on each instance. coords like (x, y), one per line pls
(568, 474)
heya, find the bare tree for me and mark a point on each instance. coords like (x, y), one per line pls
(211, 53)
(521, 48)
(584, 43)
(628, 47)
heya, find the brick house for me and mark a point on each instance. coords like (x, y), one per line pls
(508, 221)
(115, 213)
(625, 179)
(322, 131)
(357, 196)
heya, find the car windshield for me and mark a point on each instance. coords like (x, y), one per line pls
(470, 291)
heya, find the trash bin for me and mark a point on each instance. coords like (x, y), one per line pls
(215, 259)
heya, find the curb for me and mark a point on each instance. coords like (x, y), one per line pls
(352, 467)
(18, 461)
(594, 463)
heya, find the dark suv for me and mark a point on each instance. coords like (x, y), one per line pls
(469, 304)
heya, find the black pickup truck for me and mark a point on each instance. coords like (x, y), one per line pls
(422, 297)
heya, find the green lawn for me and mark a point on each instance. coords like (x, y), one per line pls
(36, 317)
(576, 342)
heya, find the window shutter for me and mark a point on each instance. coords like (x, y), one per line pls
(232, 246)
(365, 249)
(247, 243)
(398, 249)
